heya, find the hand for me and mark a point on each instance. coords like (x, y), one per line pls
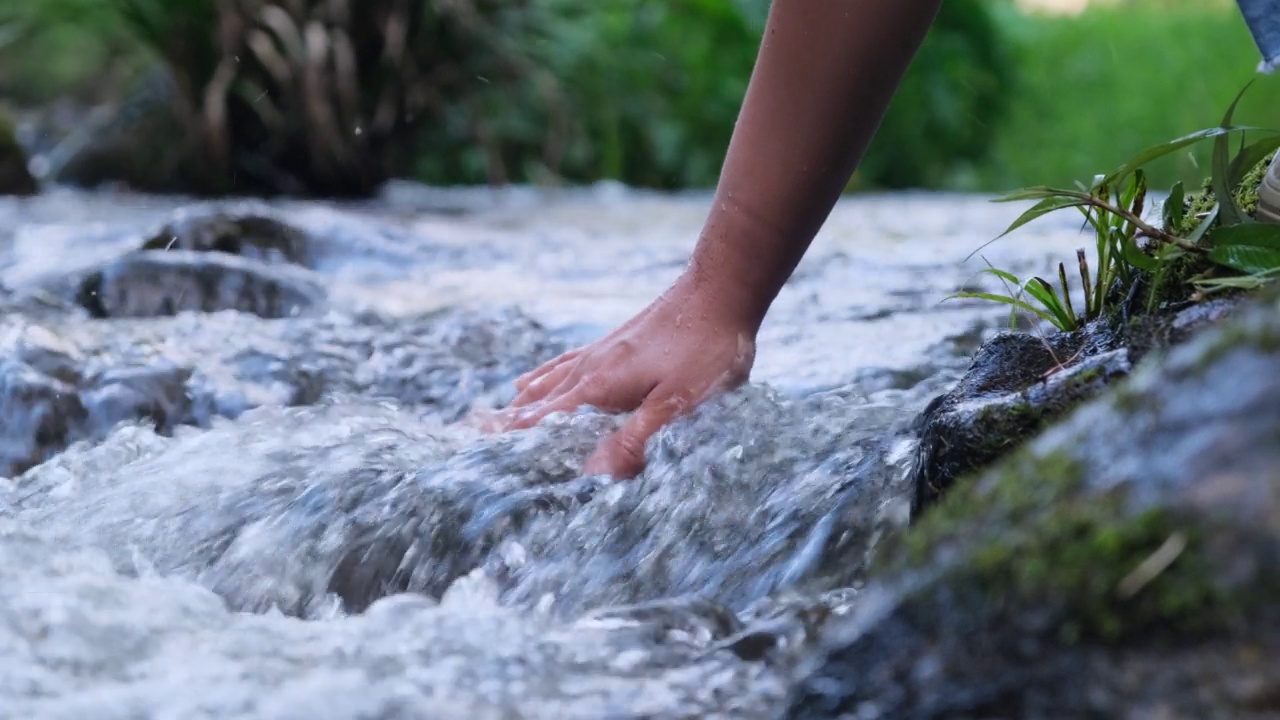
(680, 351)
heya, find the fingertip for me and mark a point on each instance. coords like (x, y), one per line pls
(607, 460)
(483, 419)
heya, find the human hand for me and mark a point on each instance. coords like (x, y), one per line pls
(683, 349)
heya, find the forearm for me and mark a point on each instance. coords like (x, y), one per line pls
(825, 75)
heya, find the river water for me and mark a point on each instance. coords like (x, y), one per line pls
(278, 518)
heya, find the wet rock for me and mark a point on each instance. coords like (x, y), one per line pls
(250, 235)
(15, 178)
(1123, 564)
(157, 393)
(414, 507)
(39, 414)
(1019, 383)
(190, 369)
(166, 282)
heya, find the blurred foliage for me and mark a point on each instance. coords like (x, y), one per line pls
(648, 93)
(951, 104)
(1112, 80)
(317, 97)
(524, 91)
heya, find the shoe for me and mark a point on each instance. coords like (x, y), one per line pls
(1269, 194)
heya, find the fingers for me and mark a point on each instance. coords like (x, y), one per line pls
(522, 419)
(621, 455)
(540, 387)
(526, 379)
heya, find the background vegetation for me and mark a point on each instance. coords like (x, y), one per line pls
(646, 92)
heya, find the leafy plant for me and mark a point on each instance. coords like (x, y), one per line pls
(1129, 248)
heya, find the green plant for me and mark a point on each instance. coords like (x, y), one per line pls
(1129, 248)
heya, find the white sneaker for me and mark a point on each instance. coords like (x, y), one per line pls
(1269, 194)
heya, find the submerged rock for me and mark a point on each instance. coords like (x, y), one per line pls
(1020, 383)
(154, 283)
(72, 378)
(15, 178)
(1124, 564)
(246, 234)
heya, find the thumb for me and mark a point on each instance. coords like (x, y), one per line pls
(621, 455)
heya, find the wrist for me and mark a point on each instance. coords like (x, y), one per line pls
(729, 294)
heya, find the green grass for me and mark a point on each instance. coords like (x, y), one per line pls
(1114, 80)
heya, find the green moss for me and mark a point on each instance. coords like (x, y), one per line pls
(1202, 201)
(1261, 334)
(1033, 536)
(1247, 193)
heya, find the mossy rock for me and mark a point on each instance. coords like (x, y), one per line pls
(15, 178)
(1020, 383)
(1122, 564)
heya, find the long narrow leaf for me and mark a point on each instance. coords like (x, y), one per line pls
(1205, 224)
(1043, 292)
(1090, 310)
(1228, 211)
(1003, 275)
(1040, 209)
(1039, 192)
(1004, 299)
(1249, 157)
(1242, 282)
(1159, 151)
(1066, 295)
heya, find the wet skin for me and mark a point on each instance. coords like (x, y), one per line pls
(825, 74)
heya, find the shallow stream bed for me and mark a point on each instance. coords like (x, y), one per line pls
(226, 514)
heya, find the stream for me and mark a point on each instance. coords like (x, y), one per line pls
(241, 484)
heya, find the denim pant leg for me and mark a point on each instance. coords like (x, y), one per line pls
(1263, 19)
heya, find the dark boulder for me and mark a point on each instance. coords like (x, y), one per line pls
(1019, 383)
(250, 235)
(156, 283)
(1124, 564)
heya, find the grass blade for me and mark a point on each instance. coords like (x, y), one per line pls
(1175, 206)
(993, 297)
(1249, 157)
(1090, 310)
(1040, 209)
(1039, 192)
(1043, 292)
(1205, 224)
(1159, 151)
(1066, 295)
(1228, 212)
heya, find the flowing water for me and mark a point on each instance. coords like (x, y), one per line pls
(219, 514)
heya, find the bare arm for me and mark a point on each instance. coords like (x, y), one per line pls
(826, 72)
